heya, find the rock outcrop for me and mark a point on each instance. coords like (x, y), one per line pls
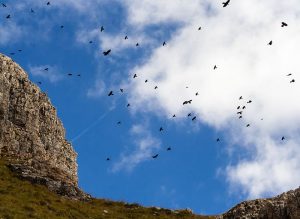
(284, 206)
(32, 138)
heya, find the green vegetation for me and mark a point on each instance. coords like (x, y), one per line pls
(20, 200)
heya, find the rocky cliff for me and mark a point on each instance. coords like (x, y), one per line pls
(31, 135)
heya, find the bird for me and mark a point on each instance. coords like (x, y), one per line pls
(270, 43)
(134, 76)
(137, 44)
(241, 97)
(31, 10)
(46, 69)
(62, 26)
(8, 16)
(240, 112)
(146, 81)
(70, 74)
(292, 81)
(48, 3)
(189, 115)
(161, 129)
(197, 94)
(247, 125)
(78, 75)
(283, 24)
(174, 116)
(128, 105)
(240, 117)
(250, 101)
(215, 67)
(155, 156)
(199, 28)
(105, 53)
(244, 107)
(101, 28)
(289, 74)
(90, 42)
(19, 50)
(164, 43)
(126, 37)
(282, 138)
(12, 53)
(121, 90)
(39, 82)
(110, 93)
(155, 87)
(187, 102)
(119, 123)
(108, 159)
(194, 118)
(3, 5)
(169, 148)
(218, 139)
(225, 4)
(238, 107)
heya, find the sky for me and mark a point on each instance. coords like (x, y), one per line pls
(250, 160)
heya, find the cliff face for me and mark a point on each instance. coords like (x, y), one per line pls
(31, 135)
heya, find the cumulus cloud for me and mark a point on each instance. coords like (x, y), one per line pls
(236, 40)
(98, 89)
(145, 147)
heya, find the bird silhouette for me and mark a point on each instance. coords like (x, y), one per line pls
(128, 105)
(250, 101)
(70, 74)
(105, 53)
(121, 90)
(31, 10)
(270, 43)
(283, 24)
(247, 125)
(155, 156)
(174, 116)
(46, 69)
(161, 129)
(12, 53)
(137, 44)
(289, 74)
(3, 5)
(78, 75)
(164, 43)
(39, 82)
(91, 42)
(241, 97)
(19, 50)
(190, 114)
(101, 28)
(199, 28)
(110, 93)
(218, 139)
(119, 123)
(194, 118)
(62, 26)
(146, 81)
(134, 76)
(8, 16)
(187, 102)
(282, 138)
(238, 107)
(240, 112)
(292, 81)
(240, 117)
(244, 107)
(225, 4)
(215, 67)
(108, 159)
(155, 87)
(169, 148)
(126, 37)
(48, 3)
(197, 94)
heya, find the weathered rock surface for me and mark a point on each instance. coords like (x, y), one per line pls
(284, 206)
(32, 138)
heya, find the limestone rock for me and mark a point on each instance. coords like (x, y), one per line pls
(32, 137)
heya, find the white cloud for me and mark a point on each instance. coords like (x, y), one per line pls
(145, 147)
(53, 74)
(235, 39)
(98, 90)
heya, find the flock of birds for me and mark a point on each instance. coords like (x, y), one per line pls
(240, 108)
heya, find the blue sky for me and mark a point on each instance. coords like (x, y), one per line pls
(199, 172)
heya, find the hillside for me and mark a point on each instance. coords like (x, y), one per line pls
(22, 199)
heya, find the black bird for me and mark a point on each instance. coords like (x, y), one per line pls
(283, 24)
(187, 102)
(128, 105)
(12, 53)
(270, 43)
(46, 69)
(218, 139)
(134, 76)
(3, 5)
(169, 148)
(199, 28)
(119, 123)
(289, 74)
(197, 94)
(240, 112)
(194, 118)
(31, 10)
(155, 87)
(62, 26)
(174, 116)
(240, 117)
(110, 93)
(215, 67)
(250, 101)
(8, 16)
(48, 3)
(292, 81)
(70, 74)
(282, 138)
(155, 156)
(126, 37)
(247, 125)
(244, 107)
(241, 97)
(105, 53)
(238, 107)
(164, 43)
(39, 82)
(137, 44)
(225, 4)
(19, 50)
(90, 42)
(146, 81)
(161, 129)
(79, 75)
(190, 114)
(108, 159)
(101, 28)
(121, 90)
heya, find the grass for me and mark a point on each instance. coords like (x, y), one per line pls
(20, 199)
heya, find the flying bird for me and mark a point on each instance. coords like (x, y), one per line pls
(62, 26)
(155, 156)
(3, 5)
(105, 53)
(110, 93)
(283, 24)
(164, 43)
(146, 81)
(187, 102)
(134, 76)
(190, 114)
(194, 118)
(108, 159)
(161, 129)
(289, 74)
(241, 97)
(250, 101)
(270, 43)
(283, 138)
(119, 123)
(126, 37)
(101, 28)
(137, 44)
(79, 75)
(91, 42)
(169, 148)
(247, 125)
(46, 69)
(238, 107)
(121, 90)
(218, 139)
(8, 16)
(244, 107)
(48, 3)
(155, 87)
(70, 74)
(292, 81)
(215, 67)
(240, 117)
(31, 10)
(240, 112)
(128, 105)
(197, 94)
(225, 4)
(199, 28)
(174, 116)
